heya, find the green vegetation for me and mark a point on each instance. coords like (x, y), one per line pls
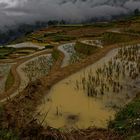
(51, 36)
(27, 48)
(104, 25)
(71, 25)
(9, 81)
(105, 80)
(136, 12)
(55, 55)
(49, 47)
(112, 38)
(6, 134)
(84, 48)
(1, 110)
(38, 67)
(134, 28)
(76, 57)
(5, 51)
(48, 34)
(127, 121)
(23, 52)
(58, 38)
(135, 137)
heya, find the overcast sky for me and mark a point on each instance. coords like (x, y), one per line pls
(27, 11)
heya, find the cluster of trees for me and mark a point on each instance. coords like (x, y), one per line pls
(137, 12)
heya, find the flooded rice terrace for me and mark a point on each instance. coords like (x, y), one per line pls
(34, 69)
(71, 56)
(92, 96)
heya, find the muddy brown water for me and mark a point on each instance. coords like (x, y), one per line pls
(66, 107)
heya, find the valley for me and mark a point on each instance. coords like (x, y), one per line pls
(65, 82)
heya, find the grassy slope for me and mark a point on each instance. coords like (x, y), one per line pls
(9, 81)
(127, 121)
(5, 51)
(112, 38)
(55, 55)
(6, 134)
(85, 49)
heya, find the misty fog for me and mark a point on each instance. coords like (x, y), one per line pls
(13, 12)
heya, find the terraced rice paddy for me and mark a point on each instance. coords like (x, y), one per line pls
(71, 56)
(93, 95)
(34, 69)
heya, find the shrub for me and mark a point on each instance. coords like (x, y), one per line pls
(127, 120)
(8, 135)
(49, 47)
(55, 54)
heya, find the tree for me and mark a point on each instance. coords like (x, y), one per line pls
(136, 12)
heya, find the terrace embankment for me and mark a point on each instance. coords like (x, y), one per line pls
(26, 103)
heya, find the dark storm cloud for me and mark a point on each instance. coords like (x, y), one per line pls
(26, 11)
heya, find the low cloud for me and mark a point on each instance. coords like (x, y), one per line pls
(13, 12)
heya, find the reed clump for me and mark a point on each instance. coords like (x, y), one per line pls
(116, 76)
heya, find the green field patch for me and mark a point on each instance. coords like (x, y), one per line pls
(5, 51)
(55, 54)
(58, 38)
(127, 120)
(85, 48)
(112, 38)
(9, 81)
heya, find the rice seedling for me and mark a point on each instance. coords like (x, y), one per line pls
(71, 53)
(115, 76)
(38, 68)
